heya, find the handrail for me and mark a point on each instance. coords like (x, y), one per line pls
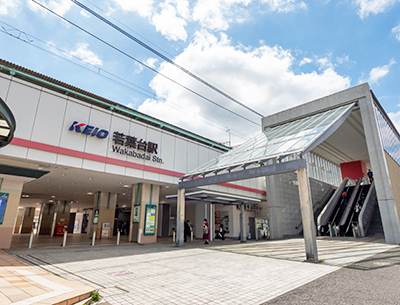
(367, 210)
(330, 207)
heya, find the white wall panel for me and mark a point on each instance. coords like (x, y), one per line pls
(102, 120)
(93, 165)
(151, 176)
(14, 151)
(4, 86)
(23, 101)
(193, 156)
(121, 125)
(49, 119)
(203, 155)
(180, 162)
(69, 161)
(168, 179)
(154, 136)
(42, 156)
(132, 172)
(115, 169)
(167, 151)
(75, 112)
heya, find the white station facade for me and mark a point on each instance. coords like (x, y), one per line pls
(85, 162)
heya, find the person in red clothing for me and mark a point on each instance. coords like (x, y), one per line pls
(344, 197)
(206, 231)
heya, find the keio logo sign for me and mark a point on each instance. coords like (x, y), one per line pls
(89, 130)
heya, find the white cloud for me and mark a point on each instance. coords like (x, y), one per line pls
(305, 61)
(9, 7)
(60, 7)
(396, 32)
(262, 78)
(377, 73)
(169, 24)
(284, 6)
(143, 7)
(324, 63)
(86, 55)
(366, 7)
(151, 62)
(341, 60)
(217, 14)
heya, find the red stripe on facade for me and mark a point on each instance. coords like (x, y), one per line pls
(107, 160)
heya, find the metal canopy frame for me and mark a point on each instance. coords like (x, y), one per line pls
(262, 156)
(217, 198)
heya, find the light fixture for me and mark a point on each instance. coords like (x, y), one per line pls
(89, 193)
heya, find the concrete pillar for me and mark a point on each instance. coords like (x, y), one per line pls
(384, 191)
(307, 215)
(211, 222)
(144, 213)
(242, 225)
(27, 220)
(274, 205)
(46, 218)
(180, 218)
(10, 193)
(104, 213)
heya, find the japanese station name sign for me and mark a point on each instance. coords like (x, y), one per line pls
(122, 143)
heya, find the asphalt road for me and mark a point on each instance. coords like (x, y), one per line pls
(375, 280)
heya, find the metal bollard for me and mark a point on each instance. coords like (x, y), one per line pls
(64, 239)
(139, 238)
(191, 235)
(118, 237)
(30, 240)
(93, 238)
(173, 236)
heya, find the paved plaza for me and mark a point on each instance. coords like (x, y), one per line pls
(225, 272)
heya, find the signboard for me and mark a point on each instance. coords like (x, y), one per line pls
(3, 204)
(150, 220)
(136, 213)
(225, 220)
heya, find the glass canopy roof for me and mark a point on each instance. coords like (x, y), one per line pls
(276, 142)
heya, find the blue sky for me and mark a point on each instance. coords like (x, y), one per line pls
(268, 54)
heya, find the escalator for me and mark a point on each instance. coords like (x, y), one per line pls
(334, 208)
(343, 219)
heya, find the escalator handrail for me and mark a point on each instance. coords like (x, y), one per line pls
(364, 219)
(350, 206)
(329, 208)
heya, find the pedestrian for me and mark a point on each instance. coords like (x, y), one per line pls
(345, 198)
(206, 232)
(221, 232)
(186, 231)
(370, 176)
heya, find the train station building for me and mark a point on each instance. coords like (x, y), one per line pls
(95, 166)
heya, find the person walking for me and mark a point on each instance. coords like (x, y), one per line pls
(206, 231)
(370, 176)
(186, 231)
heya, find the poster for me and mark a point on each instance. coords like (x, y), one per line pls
(3, 204)
(150, 220)
(136, 213)
(225, 220)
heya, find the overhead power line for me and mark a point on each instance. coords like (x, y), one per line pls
(162, 56)
(143, 64)
(31, 40)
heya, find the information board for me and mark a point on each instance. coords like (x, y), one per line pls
(3, 204)
(150, 220)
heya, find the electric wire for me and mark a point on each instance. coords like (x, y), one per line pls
(143, 64)
(29, 39)
(162, 56)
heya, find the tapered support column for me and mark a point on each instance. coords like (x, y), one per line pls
(180, 218)
(211, 222)
(242, 225)
(307, 215)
